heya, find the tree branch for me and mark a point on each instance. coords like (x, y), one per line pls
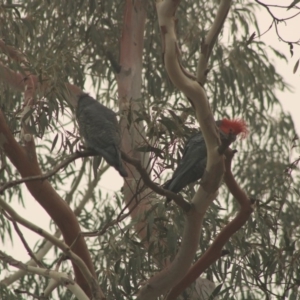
(25, 160)
(47, 245)
(50, 173)
(210, 40)
(39, 255)
(62, 278)
(129, 79)
(93, 284)
(152, 185)
(211, 180)
(214, 252)
(29, 251)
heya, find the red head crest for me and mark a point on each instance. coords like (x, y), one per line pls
(236, 126)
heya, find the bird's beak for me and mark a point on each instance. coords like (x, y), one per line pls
(231, 137)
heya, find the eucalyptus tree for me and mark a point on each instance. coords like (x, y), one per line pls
(163, 76)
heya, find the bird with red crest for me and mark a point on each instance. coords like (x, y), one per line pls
(193, 162)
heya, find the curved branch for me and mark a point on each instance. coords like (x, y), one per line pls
(277, 20)
(47, 245)
(58, 243)
(152, 185)
(192, 89)
(164, 280)
(210, 40)
(25, 160)
(214, 252)
(280, 37)
(50, 173)
(267, 7)
(211, 180)
(275, 5)
(62, 278)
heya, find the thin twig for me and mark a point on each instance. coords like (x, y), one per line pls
(61, 165)
(178, 199)
(17, 291)
(274, 5)
(29, 251)
(93, 284)
(47, 245)
(62, 278)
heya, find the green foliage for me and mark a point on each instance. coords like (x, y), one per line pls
(75, 41)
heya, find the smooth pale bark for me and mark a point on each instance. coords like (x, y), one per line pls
(211, 180)
(129, 89)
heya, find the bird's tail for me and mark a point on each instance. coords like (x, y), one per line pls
(112, 156)
(166, 187)
(120, 168)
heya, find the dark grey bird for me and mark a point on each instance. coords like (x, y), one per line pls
(191, 167)
(193, 163)
(99, 127)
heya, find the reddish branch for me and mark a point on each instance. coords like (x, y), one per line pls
(214, 252)
(25, 160)
(95, 288)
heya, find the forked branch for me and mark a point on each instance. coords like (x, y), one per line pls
(25, 161)
(152, 185)
(210, 40)
(214, 252)
(210, 183)
(95, 288)
(62, 278)
(48, 174)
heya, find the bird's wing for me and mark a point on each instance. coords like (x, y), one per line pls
(100, 129)
(191, 166)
